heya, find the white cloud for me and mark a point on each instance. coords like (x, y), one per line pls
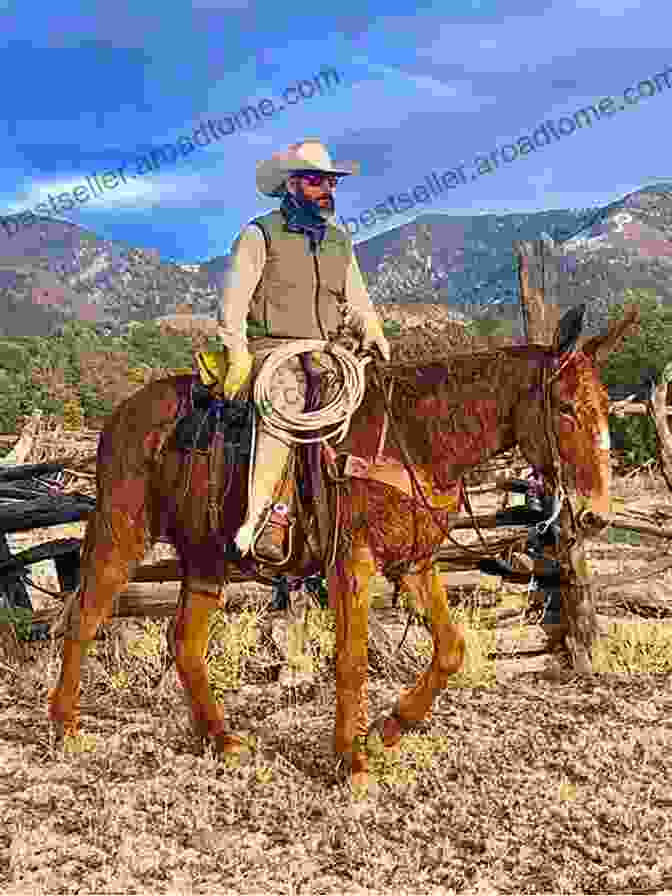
(557, 33)
(177, 185)
(398, 81)
(141, 192)
(422, 82)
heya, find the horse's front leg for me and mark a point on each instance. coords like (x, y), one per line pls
(349, 593)
(191, 641)
(447, 659)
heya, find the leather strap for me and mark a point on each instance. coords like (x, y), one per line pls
(386, 421)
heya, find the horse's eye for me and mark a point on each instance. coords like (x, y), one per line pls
(566, 408)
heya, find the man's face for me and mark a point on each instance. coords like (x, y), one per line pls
(316, 188)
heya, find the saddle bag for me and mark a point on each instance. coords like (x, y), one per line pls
(232, 418)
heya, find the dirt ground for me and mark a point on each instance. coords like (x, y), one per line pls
(540, 782)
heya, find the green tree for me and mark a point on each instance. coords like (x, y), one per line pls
(485, 327)
(642, 355)
(146, 344)
(13, 357)
(648, 351)
(92, 403)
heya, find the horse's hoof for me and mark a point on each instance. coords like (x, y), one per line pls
(62, 723)
(226, 745)
(61, 730)
(56, 731)
(360, 784)
(353, 772)
(388, 728)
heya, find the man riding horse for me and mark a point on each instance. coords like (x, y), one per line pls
(294, 272)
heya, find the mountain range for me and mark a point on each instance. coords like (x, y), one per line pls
(55, 271)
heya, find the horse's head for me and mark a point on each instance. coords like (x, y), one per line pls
(566, 408)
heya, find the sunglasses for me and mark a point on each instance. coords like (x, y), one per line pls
(316, 180)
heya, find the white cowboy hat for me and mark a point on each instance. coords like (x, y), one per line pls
(309, 155)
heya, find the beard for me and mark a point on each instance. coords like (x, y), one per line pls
(324, 210)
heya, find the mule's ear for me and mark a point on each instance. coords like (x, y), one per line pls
(569, 330)
(602, 345)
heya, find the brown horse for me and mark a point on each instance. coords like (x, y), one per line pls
(449, 415)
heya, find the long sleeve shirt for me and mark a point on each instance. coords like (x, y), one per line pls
(243, 277)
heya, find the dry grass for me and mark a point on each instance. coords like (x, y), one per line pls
(531, 784)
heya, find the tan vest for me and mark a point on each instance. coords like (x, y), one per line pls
(299, 294)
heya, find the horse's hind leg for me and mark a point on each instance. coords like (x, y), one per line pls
(414, 704)
(197, 600)
(113, 546)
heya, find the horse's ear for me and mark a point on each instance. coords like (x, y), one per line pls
(569, 330)
(601, 346)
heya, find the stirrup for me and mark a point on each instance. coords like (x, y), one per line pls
(278, 515)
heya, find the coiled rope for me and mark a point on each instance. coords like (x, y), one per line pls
(339, 411)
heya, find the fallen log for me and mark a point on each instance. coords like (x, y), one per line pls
(527, 639)
(169, 571)
(158, 600)
(484, 521)
(620, 579)
(153, 600)
(162, 571)
(624, 408)
(622, 521)
(649, 601)
(10, 649)
(155, 589)
(21, 451)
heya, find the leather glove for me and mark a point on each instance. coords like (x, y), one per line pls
(368, 329)
(234, 376)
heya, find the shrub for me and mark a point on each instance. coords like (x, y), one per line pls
(73, 416)
(642, 355)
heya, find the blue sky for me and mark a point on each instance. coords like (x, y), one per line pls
(89, 86)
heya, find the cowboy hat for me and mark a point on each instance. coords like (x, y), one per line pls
(309, 155)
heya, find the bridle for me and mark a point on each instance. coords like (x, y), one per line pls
(560, 494)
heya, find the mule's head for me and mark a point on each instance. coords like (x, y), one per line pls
(576, 405)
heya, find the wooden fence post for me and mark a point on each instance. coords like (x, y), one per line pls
(539, 280)
(578, 608)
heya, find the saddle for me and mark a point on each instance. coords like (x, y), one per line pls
(305, 501)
